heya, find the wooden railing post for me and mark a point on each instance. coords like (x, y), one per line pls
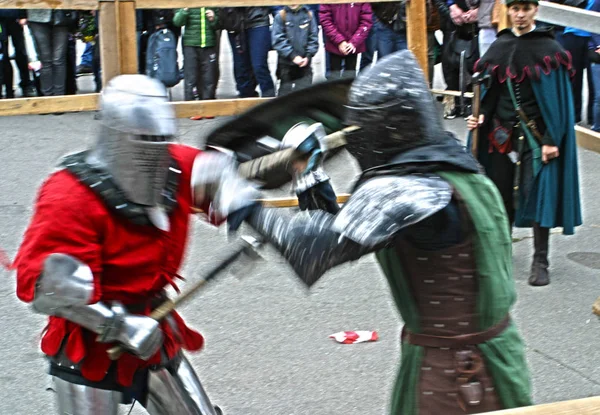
(109, 39)
(118, 38)
(128, 44)
(416, 31)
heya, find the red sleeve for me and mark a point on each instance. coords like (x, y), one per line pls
(63, 222)
(185, 156)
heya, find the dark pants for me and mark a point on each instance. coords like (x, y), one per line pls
(250, 65)
(388, 41)
(578, 47)
(52, 46)
(293, 78)
(15, 31)
(501, 170)
(199, 66)
(349, 62)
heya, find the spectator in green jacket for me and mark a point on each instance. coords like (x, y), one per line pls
(199, 51)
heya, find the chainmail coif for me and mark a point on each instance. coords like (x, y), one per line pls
(392, 104)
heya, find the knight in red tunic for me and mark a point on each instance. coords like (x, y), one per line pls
(107, 236)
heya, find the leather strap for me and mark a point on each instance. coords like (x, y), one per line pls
(454, 342)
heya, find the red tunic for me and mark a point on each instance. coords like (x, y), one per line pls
(131, 263)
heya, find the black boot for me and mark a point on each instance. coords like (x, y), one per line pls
(539, 268)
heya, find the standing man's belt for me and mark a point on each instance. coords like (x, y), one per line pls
(455, 342)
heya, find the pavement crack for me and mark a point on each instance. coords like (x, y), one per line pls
(566, 366)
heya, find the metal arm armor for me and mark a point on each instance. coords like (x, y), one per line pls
(65, 288)
(315, 241)
(215, 178)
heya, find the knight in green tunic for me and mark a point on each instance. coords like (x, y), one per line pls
(526, 131)
(439, 230)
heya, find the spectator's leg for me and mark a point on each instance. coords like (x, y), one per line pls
(218, 54)
(242, 69)
(285, 84)
(400, 42)
(596, 76)
(487, 36)
(190, 71)
(577, 46)
(591, 92)
(209, 67)
(85, 66)
(42, 34)
(7, 70)
(431, 45)
(350, 65)
(96, 65)
(15, 31)
(71, 66)
(366, 58)
(335, 62)
(385, 39)
(306, 79)
(259, 41)
(59, 50)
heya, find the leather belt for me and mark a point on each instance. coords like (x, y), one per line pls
(454, 342)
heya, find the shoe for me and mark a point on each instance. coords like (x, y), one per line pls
(451, 115)
(29, 91)
(84, 69)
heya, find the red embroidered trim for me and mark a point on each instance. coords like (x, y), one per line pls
(549, 63)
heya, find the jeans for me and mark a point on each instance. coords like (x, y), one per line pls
(51, 42)
(596, 77)
(259, 42)
(294, 78)
(366, 58)
(88, 55)
(388, 41)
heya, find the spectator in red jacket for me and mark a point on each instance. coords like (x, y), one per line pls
(346, 28)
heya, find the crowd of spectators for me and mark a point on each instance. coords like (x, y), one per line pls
(354, 36)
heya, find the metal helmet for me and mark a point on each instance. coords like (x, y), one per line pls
(392, 105)
(137, 125)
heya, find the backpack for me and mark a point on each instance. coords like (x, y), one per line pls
(232, 19)
(161, 58)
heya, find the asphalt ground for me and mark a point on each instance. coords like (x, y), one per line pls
(267, 347)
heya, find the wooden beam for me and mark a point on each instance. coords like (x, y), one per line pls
(176, 4)
(588, 139)
(416, 32)
(48, 105)
(128, 43)
(504, 20)
(49, 4)
(108, 22)
(586, 406)
(216, 107)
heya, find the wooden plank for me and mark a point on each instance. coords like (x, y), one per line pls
(450, 93)
(504, 20)
(49, 105)
(216, 107)
(176, 4)
(586, 406)
(49, 4)
(128, 37)
(588, 139)
(416, 32)
(109, 40)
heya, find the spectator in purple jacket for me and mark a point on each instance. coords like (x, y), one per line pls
(346, 28)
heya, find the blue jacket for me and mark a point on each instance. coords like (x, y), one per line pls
(297, 36)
